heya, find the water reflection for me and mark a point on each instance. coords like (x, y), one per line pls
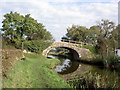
(97, 76)
(66, 66)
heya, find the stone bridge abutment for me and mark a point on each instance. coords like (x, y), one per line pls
(76, 51)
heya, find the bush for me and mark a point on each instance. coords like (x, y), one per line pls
(6, 44)
(95, 79)
(91, 48)
(110, 61)
(36, 46)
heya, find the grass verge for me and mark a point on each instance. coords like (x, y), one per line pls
(34, 72)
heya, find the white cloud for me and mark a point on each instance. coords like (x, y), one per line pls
(56, 25)
(60, 14)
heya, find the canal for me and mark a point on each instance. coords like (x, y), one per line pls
(81, 74)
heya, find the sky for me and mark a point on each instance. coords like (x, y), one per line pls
(58, 15)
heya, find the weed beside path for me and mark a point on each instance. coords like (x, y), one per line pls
(34, 72)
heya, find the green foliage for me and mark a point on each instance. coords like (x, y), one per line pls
(6, 44)
(34, 72)
(12, 25)
(96, 79)
(91, 48)
(106, 41)
(76, 33)
(83, 34)
(116, 36)
(106, 26)
(103, 35)
(18, 28)
(36, 45)
(110, 61)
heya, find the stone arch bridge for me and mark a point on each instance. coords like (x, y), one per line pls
(76, 51)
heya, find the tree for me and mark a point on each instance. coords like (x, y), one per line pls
(116, 36)
(106, 27)
(16, 27)
(93, 35)
(83, 34)
(106, 39)
(77, 33)
(103, 35)
(13, 26)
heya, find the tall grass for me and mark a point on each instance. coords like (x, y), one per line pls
(110, 61)
(105, 77)
(99, 79)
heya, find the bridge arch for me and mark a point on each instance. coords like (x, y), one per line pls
(76, 51)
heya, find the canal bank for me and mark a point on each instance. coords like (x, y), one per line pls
(69, 67)
(91, 75)
(34, 72)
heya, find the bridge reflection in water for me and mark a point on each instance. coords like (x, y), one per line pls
(68, 65)
(71, 68)
(74, 49)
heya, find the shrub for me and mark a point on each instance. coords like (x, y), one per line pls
(109, 61)
(95, 79)
(36, 46)
(6, 44)
(91, 48)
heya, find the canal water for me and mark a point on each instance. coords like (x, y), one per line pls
(70, 68)
(66, 66)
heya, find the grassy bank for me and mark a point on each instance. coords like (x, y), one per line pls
(34, 72)
(10, 57)
(96, 78)
(105, 73)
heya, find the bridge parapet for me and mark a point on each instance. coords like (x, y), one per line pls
(64, 44)
(82, 52)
